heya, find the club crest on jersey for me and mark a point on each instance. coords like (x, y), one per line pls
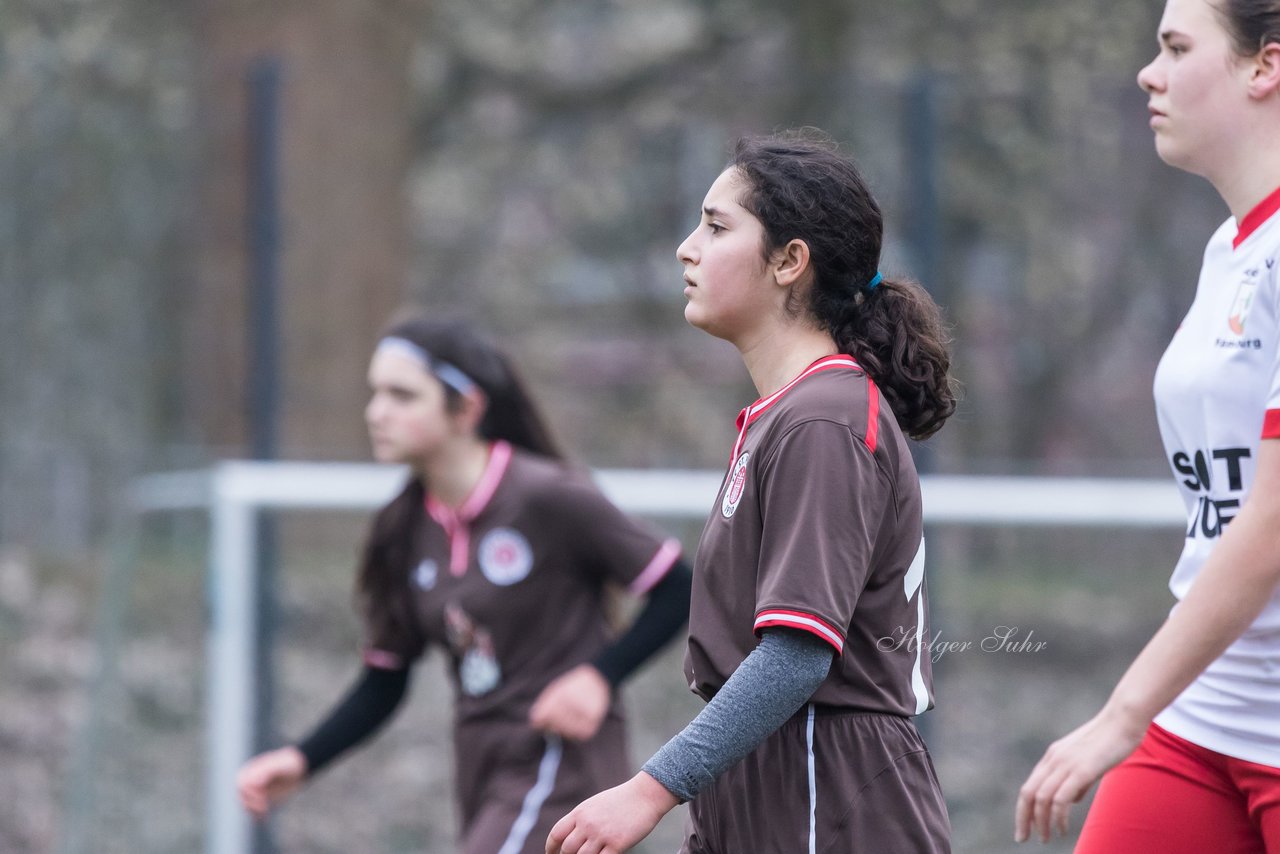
(505, 556)
(425, 575)
(1243, 302)
(737, 482)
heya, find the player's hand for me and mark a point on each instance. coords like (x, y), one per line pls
(269, 778)
(614, 820)
(1068, 769)
(573, 705)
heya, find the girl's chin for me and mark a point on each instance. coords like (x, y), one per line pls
(694, 317)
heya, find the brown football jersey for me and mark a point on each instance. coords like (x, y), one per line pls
(818, 527)
(512, 582)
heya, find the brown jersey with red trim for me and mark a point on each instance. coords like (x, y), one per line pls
(511, 583)
(818, 527)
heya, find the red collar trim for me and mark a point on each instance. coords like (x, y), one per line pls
(826, 363)
(749, 415)
(1254, 219)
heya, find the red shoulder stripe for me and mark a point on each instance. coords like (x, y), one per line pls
(873, 415)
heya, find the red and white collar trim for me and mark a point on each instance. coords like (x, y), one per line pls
(1254, 219)
(456, 523)
(749, 415)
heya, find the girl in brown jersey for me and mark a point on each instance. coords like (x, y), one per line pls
(811, 566)
(500, 554)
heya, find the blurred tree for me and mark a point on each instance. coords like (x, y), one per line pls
(94, 113)
(343, 161)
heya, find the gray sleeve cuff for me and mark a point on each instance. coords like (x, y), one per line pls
(774, 681)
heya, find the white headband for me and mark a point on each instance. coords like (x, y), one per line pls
(445, 372)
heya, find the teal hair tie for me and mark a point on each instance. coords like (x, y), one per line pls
(871, 285)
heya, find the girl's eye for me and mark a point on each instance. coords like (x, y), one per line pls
(1177, 49)
(715, 227)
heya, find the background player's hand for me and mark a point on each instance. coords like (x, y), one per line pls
(1070, 766)
(614, 820)
(269, 778)
(573, 705)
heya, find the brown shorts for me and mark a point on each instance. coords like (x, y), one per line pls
(514, 783)
(827, 782)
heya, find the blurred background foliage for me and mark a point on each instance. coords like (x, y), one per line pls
(534, 163)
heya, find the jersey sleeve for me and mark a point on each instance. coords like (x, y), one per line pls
(608, 542)
(391, 644)
(387, 650)
(822, 499)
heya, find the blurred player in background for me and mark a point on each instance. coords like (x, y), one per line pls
(809, 606)
(1195, 722)
(502, 555)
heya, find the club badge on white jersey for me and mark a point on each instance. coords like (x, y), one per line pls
(1243, 302)
(737, 483)
(505, 556)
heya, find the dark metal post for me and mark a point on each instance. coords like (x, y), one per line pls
(264, 371)
(924, 236)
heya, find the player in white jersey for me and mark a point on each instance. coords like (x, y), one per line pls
(1191, 734)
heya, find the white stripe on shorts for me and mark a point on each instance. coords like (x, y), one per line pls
(535, 797)
(813, 786)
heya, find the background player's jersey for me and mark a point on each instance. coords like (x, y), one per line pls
(818, 527)
(1217, 393)
(511, 584)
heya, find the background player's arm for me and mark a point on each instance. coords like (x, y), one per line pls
(1237, 580)
(574, 704)
(269, 778)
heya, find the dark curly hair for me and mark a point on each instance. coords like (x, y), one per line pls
(801, 188)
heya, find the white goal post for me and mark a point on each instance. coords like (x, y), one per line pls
(235, 492)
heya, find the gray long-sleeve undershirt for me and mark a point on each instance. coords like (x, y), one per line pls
(768, 687)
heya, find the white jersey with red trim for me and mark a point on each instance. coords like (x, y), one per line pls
(1217, 393)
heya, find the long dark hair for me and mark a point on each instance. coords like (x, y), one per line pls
(800, 187)
(1252, 24)
(511, 415)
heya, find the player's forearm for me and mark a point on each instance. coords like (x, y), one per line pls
(767, 688)
(368, 705)
(1227, 596)
(665, 612)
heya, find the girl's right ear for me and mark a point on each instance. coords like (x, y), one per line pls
(475, 403)
(791, 263)
(1264, 82)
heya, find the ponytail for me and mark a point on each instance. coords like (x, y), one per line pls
(896, 333)
(801, 188)
(512, 415)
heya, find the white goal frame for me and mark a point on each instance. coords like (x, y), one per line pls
(234, 493)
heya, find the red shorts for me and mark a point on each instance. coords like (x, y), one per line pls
(1176, 797)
